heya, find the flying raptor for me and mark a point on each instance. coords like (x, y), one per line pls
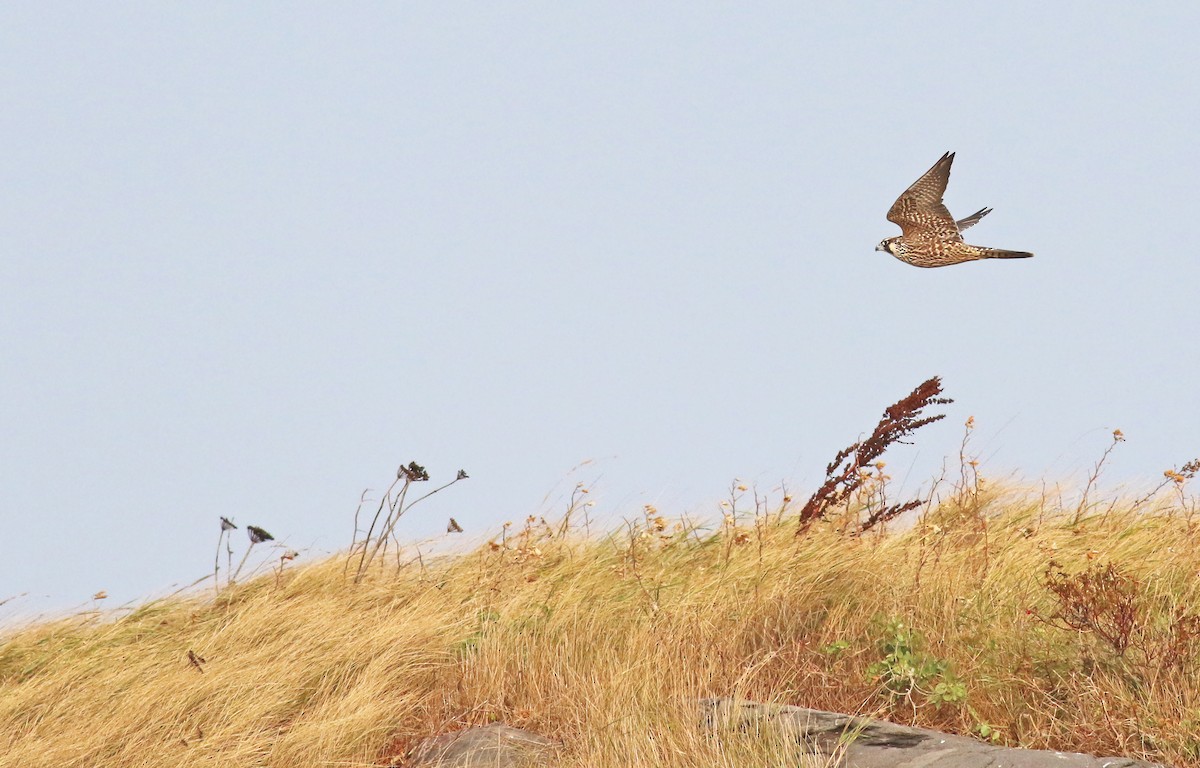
(929, 236)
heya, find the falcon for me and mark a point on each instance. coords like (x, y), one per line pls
(929, 235)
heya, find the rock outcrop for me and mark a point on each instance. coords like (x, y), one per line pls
(488, 746)
(828, 738)
(859, 742)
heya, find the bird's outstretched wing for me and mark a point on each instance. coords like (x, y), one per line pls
(920, 211)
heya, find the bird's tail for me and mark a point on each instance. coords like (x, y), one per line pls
(1000, 253)
(972, 220)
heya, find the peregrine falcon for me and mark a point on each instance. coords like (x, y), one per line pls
(930, 237)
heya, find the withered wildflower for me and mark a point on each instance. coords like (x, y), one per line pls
(413, 473)
(393, 506)
(845, 474)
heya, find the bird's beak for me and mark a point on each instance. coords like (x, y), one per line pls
(880, 247)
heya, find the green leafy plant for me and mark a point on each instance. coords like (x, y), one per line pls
(989, 732)
(836, 648)
(906, 672)
(948, 691)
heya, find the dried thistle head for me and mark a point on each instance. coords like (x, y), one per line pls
(227, 524)
(413, 473)
(462, 475)
(453, 526)
(258, 535)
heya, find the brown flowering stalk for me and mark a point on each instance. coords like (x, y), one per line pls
(845, 473)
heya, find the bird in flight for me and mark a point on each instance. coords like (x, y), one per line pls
(929, 235)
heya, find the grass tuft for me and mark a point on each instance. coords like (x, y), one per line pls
(993, 615)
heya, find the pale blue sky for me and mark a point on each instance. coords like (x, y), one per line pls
(254, 256)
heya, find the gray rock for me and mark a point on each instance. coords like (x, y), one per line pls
(489, 746)
(859, 742)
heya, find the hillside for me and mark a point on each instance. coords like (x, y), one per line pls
(997, 614)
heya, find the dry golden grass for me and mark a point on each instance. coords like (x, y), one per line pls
(606, 645)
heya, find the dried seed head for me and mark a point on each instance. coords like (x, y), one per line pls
(413, 473)
(227, 524)
(462, 474)
(453, 527)
(258, 535)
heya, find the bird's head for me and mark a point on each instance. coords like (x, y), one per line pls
(888, 246)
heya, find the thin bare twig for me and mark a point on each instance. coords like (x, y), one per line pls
(1117, 437)
(412, 473)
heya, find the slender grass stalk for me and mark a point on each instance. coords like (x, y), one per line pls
(226, 526)
(257, 536)
(412, 473)
(1117, 437)
(606, 644)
